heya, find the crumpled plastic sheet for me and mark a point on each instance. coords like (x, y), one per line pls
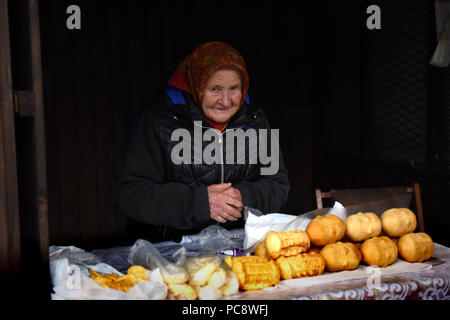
(74, 255)
(71, 280)
(212, 239)
(114, 256)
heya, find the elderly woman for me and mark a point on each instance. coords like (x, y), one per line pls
(165, 198)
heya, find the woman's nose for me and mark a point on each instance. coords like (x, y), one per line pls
(225, 99)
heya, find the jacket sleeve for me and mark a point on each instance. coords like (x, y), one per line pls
(144, 195)
(269, 192)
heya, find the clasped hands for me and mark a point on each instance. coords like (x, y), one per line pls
(225, 202)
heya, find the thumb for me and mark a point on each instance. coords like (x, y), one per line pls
(222, 187)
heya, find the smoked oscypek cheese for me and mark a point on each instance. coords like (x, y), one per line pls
(362, 226)
(416, 247)
(301, 265)
(398, 221)
(286, 243)
(341, 256)
(326, 229)
(379, 251)
(254, 272)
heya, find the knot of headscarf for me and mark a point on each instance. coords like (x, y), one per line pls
(193, 73)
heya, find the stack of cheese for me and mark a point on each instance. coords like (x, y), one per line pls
(281, 255)
(325, 233)
(335, 245)
(365, 237)
(365, 231)
(399, 224)
(291, 250)
(254, 272)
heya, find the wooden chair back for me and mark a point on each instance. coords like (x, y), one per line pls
(414, 190)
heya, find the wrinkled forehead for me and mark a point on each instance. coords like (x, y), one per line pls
(226, 74)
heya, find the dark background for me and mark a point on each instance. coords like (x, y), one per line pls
(355, 107)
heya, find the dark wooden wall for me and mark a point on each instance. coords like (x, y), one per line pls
(10, 259)
(23, 211)
(305, 65)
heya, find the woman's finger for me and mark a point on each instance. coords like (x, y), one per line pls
(217, 216)
(234, 203)
(221, 220)
(231, 213)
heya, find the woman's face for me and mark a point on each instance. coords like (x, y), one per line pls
(222, 95)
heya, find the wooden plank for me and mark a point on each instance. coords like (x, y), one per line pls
(319, 202)
(85, 93)
(138, 57)
(102, 114)
(154, 37)
(39, 133)
(24, 103)
(10, 258)
(418, 200)
(66, 135)
(30, 150)
(435, 106)
(121, 92)
(114, 26)
(48, 57)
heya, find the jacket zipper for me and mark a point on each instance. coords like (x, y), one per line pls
(222, 166)
(222, 169)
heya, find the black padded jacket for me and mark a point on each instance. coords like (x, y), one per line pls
(164, 200)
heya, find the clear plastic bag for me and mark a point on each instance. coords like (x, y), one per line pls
(144, 253)
(205, 275)
(216, 239)
(211, 277)
(212, 239)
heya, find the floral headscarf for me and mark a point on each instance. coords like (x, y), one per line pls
(193, 73)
